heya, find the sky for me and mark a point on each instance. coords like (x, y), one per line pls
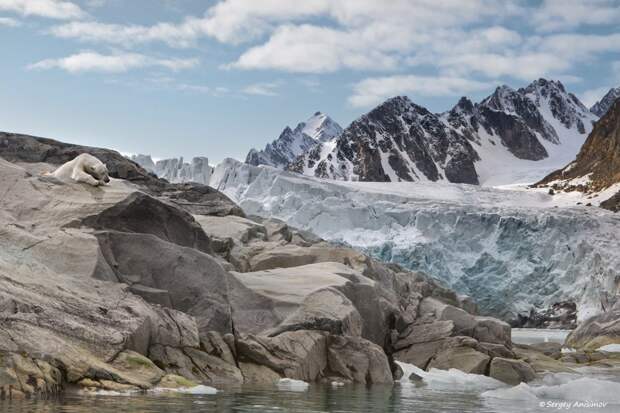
(215, 78)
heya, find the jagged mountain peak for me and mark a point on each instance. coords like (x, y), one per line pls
(601, 107)
(545, 84)
(511, 136)
(293, 142)
(464, 105)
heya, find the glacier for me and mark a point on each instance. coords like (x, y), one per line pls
(511, 249)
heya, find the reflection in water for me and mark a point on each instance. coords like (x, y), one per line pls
(402, 397)
(441, 391)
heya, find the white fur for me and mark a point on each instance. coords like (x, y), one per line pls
(84, 168)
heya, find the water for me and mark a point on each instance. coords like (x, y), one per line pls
(440, 391)
(533, 336)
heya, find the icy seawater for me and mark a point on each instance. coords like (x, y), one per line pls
(445, 391)
(418, 391)
(533, 336)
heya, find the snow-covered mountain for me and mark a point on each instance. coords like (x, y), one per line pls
(175, 170)
(294, 142)
(511, 250)
(602, 106)
(511, 136)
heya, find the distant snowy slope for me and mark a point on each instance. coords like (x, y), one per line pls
(512, 250)
(293, 142)
(511, 136)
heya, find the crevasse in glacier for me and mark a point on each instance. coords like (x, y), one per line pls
(512, 250)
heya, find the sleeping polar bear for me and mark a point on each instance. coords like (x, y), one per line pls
(83, 168)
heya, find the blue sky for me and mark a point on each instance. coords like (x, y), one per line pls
(215, 78)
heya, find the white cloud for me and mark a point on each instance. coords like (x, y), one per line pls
(312, 49)
(115, 63)
(9, 22)
(374, 90)
(262, 89)
(590, 97)
(565, 14)
(53, 9)
(526, 66)
(181, 35)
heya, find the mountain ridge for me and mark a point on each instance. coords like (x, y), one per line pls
(537, 128)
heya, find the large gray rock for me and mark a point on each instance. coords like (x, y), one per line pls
(325, 310)
(511, 371)
(194, 281)
(358, 360)
(313, 356)
(143, 214)
(300, 355)
(487, 329)
(596, 331)
(465, 359)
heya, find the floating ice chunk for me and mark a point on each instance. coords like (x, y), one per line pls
(200, 389)
(337, 384)
(292, 385)
(610, 348)
(449, 379)
(102, 392)
(584, 388)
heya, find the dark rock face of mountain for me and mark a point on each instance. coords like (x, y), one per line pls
(293, 142)
(279, 153)
(597, 165)
(397, 141)
(601, 107)
(402, 141)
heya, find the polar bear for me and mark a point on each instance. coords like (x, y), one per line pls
(83, 168)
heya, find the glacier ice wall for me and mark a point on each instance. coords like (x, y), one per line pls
(510, 250)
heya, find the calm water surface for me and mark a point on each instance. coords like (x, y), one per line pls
(443, 391)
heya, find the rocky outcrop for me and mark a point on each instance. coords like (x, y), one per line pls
(511, 371)
(193, 197)
(597, 166)
(597, 331)
(123, 288)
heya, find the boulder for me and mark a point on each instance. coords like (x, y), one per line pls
(141, 368)
(238, 229)
(299, 355)
(596, 331)
(511, 371)
(425, 332)
(539, 361)
(258, 374)
(551, 349)
(194, 282)
(487, 329)
(144, 214)
(261, 300)
(325, 310)
(358, 360)
(465, 359)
